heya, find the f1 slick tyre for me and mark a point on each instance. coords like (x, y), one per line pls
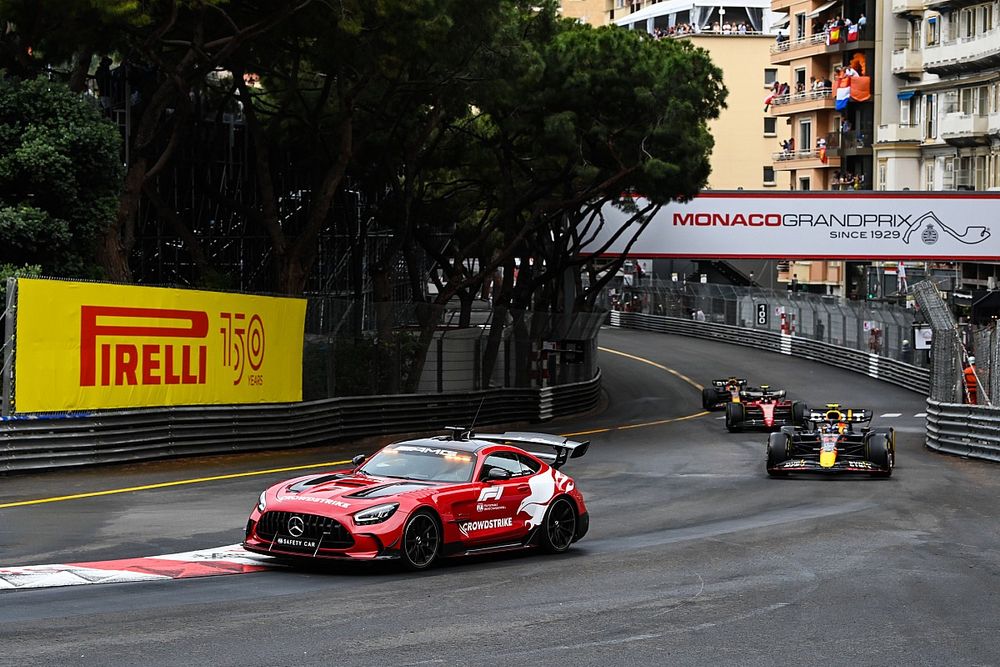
(558, 529)
(879, 452)
(890, 435)
(421, 542)
(735, 416)
(799, 412)
(709, 398)
(778, 451)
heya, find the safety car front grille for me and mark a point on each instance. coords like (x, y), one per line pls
(330, 531)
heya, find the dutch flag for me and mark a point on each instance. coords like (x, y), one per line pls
(843, 92)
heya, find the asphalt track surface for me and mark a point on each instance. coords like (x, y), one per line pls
(695, 556)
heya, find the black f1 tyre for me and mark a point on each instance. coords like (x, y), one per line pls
(558, 529)
(879, 451)
(779, 447)
(799, 412)
(709, 398)
(422, 541)
(736, 414)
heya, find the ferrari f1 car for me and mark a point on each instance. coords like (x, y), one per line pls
(418, 500)
(764, 409)
(722, 392)
(830, 442)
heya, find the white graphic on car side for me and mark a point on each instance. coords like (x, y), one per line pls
(544, 488)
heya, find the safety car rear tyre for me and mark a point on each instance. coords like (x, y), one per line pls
(709, 398)
(879, 452)
(779, 447)
(735, 416)
(558, 529)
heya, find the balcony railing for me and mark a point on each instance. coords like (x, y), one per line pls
(808, 96)
(993, 123)
(811, 159)
(893, 133)
(964, 128)
(796, 44)
(958, 54)
(907, 61)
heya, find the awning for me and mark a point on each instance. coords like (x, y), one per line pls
(781, 23)
(905, 95)
(816, 12)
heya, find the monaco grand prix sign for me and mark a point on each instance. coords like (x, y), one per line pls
(813, 225)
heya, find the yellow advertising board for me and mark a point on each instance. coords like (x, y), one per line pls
(84, 346)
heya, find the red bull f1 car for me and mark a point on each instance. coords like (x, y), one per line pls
(764, 409)
(419, 500)
(832, 443)
(722, 392)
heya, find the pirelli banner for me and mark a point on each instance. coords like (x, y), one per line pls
(816, 225)
(84, 346)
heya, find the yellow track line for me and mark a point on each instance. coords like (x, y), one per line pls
(162, 485)
(253, 473)
(655, 365)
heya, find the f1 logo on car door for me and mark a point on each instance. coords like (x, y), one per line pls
(493, 519)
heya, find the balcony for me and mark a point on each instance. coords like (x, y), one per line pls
(907, 62)
(907, 6)
(813, 100)
(965, 54)
(993, 124)
(788, 50)
(965, 129)
(898, 133)
(804, 159)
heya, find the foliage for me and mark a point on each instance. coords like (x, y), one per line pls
(13, 271)
(59, 177)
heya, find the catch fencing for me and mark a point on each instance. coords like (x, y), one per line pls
(883, 329)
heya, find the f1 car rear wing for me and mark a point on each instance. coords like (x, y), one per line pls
(835, 413)
(742, 382)
(762, 393)
(565, 448)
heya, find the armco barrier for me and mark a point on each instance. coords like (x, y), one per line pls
(140, 435)
(909, 377)
(964, 430)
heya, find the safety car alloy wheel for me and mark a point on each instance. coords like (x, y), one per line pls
(421, 541)
(560, 526)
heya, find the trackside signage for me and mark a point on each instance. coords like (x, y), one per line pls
(809, 225)
(84, 346)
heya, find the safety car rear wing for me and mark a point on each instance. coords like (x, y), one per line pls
(565, 448)
(838, 414)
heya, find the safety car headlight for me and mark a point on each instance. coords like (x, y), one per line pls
(262, 501)
(376, 514)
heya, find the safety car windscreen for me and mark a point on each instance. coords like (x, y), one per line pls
(424, 463)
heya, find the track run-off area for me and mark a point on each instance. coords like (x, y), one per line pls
(694, 556)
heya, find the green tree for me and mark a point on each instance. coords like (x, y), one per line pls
(60, 175)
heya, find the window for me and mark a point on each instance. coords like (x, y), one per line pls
(770, 126)
(805, 135)
(953, 26)
(769, 176)
(883, 169)
(529, 466)
(930, 117)
(800, 26)
(929, 175)
(904, 112)
(508, 461)
(804, 183)
(966, 95)
(982, 105)
(933, 31)
(951, 102)
(770, 76)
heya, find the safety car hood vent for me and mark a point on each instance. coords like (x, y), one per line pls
(392, 489)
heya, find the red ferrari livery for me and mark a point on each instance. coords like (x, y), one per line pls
(422, 499)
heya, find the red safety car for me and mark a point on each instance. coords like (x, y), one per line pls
(422, 499)
(764, 409)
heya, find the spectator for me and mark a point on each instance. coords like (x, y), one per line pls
(862, 21)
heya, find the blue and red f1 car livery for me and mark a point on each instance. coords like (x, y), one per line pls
(422, 499)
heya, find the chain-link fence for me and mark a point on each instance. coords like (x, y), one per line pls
(881, 328)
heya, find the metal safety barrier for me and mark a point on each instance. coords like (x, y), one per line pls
(964, 430)
(48, 442)
(896, 372)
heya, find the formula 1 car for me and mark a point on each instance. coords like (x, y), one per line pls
(764, 409)
(722, 392)
(830, 443)
(418, 500)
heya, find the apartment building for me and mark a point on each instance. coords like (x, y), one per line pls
(939, 112)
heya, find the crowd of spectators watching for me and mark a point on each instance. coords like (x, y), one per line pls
(716, 28)
(840, 29)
